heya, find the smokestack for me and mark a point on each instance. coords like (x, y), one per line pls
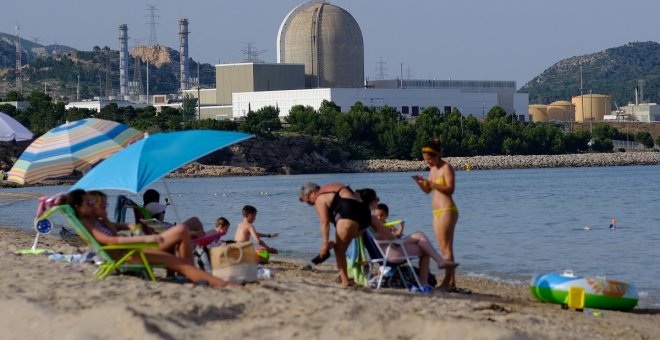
(123, 59)
(183, 52)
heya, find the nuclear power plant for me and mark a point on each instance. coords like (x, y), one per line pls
(327, 40)
(320, 57)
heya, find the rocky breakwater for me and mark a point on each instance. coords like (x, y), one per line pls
(261, 156)
(511, 162)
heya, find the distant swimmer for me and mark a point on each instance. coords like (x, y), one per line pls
(613, 224)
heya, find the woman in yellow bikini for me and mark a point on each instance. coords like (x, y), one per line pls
(445, 213)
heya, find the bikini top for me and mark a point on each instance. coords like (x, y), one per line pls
(98, 225)
(440, 181)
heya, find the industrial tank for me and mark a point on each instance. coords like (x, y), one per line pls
(327, 40)
(561, 111)
(539, 112)
(592, 107)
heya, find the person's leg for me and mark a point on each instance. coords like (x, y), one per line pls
(426, 247)
(156, 256)
(443, 227)
(195, 227)
(346, 230)
(424, 262)
(177, 238)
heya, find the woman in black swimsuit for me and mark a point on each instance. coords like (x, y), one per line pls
(338, 204)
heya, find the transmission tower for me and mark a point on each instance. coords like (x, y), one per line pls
(252, 54)
(381, 70)
(19, 76)
(136, 84)
(152, 24)
(410, 74)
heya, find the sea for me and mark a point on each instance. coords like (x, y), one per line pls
(513, 224)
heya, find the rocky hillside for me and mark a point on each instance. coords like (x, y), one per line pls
(614, 71)
(59, 68)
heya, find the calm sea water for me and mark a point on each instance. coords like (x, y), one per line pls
(513, 223)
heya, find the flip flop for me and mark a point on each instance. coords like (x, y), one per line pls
(462, 291)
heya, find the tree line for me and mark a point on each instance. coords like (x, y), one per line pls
(366, 132)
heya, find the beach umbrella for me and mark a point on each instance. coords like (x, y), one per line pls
(10, 129)
(155, 156)
(72, 146)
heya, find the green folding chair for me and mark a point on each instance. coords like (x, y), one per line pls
(109, 265)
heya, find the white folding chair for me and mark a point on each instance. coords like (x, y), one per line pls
(382, 258)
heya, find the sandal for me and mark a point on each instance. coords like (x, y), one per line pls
(462, 291)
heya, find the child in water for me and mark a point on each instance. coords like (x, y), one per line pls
(246, 229)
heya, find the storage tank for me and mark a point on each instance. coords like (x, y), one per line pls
(592, 107)
(539, 112)
(328, 40)
(561, 110)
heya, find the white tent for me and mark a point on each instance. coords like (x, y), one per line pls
(10, 129)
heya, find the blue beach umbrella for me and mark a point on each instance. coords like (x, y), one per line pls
(146, 161)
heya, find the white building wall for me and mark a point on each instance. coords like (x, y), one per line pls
(467, 103)
(521, 105)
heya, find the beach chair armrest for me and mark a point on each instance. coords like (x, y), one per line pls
(130, 246)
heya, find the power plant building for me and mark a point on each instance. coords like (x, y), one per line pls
(320, 54)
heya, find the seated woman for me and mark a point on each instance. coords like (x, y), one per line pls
(416, 244)
(86, 210)
(338, 204)
(176, 239)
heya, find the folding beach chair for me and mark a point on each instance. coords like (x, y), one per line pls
(109, 265)
(389, 265)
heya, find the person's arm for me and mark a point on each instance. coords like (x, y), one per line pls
(399, 231)
(106, 239)
(256, 236)
(324, 220)
(422, 183)
(269, 235)
(382, 232)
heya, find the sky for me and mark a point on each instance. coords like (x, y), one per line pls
(427, 39)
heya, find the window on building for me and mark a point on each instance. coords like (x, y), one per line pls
(405, 110)
(447, 110)
(415, 110)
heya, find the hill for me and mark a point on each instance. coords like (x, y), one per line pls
(614, 71)
(57, 68)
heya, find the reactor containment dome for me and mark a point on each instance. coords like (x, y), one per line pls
(327, 40)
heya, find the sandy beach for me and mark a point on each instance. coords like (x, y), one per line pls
(41, 298)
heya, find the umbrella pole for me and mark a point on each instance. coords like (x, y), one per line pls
(167, 190)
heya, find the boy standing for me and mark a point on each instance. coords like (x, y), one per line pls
(245, 229)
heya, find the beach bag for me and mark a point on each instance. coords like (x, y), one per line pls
(202, 258)
(235, 262)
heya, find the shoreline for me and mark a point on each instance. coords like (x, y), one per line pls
(62, 299)
(196, 169)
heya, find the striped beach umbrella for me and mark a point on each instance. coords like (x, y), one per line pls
(71, 146)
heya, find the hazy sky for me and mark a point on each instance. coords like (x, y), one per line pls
(466, 39)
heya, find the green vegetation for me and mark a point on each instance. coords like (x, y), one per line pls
(614, 71)
(363, 131)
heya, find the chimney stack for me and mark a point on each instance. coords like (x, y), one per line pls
(123, 59)
(183, 53)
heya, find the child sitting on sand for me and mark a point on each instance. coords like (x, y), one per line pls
(382, 212)
(246, 229)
